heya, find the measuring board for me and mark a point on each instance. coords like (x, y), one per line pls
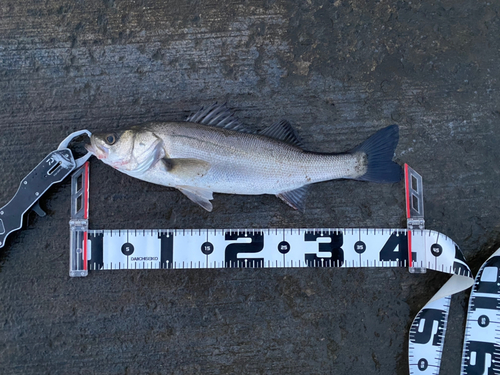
(414, 247)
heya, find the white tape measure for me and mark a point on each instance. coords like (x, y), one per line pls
(268, 248)
(481, 352)
(414, 247)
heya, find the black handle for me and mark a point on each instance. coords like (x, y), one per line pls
(51, 170)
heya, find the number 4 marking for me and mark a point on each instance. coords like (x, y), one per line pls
(396, 248)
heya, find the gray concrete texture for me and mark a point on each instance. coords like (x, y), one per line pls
(338, 71)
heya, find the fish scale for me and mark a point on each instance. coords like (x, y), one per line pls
(279, 167)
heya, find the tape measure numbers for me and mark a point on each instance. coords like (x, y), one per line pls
(269, 248)
(481, 352)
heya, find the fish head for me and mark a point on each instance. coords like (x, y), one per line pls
(132, 150)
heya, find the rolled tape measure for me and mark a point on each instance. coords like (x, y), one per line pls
(481, 352)
(414, 247)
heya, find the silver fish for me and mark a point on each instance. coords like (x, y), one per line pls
(212, 153)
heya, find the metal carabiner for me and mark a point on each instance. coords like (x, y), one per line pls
(64, 144)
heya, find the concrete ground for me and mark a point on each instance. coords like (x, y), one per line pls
(338, 71)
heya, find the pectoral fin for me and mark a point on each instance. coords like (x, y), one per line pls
(186, 168)
(198, 195)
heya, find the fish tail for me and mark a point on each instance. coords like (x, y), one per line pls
(379, 150)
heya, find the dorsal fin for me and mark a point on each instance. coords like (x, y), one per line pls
(283, 131)
(218, 115)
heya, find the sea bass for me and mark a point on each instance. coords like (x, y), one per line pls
(213, 153)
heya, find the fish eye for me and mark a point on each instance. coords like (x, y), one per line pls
(110, 139)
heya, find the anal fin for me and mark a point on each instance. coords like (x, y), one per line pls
(295, 198)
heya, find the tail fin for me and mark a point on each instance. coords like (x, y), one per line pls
(379, 149)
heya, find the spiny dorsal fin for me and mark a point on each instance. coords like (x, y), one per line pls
(283, 131)
(218, 115)
(295, 198)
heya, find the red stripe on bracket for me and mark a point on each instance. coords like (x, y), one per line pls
(85, 212)
(407, 193)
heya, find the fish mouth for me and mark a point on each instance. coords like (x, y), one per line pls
(99, 152)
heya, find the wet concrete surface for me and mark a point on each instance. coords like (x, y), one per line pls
(338, 71)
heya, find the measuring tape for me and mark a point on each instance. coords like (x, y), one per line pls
(481, 352)
(264, 248)
(414, 247)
